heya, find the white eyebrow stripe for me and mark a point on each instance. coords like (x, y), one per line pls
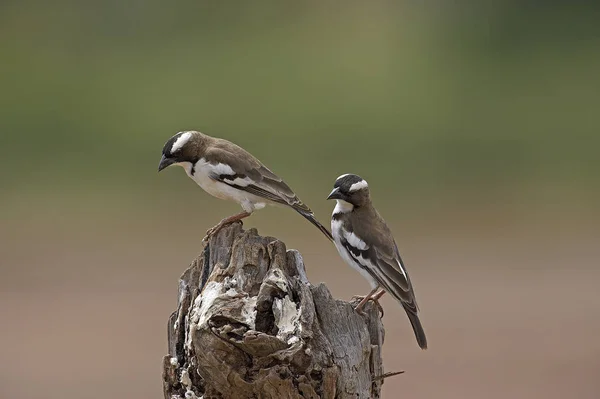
(354, 241)
(358, 185)
(181, 141)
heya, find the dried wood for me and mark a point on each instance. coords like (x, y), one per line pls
(250, 325)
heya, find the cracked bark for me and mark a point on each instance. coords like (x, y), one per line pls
(250, 325)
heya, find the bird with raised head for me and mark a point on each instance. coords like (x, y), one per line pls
(229, 172)
(365, 242)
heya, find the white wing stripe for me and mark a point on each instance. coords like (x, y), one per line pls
(220, 169)
(354, 241)
(246, 181)
(402, 269)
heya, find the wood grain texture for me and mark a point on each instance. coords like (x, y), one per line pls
(250, 325)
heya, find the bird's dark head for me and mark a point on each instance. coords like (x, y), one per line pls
(183, 149)
(351, 189)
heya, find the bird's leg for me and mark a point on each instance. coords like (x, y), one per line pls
(373, 296)
(378, 295)
(225, 222)
(364, 300)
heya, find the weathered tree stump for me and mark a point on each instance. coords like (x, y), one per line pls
(250, 325)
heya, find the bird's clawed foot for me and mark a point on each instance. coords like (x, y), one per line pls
(359, 308)
(210, 232)
(214, 230)
(363, 299)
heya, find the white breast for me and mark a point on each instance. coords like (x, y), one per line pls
(338, 232)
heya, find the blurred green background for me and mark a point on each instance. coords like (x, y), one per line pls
(475, 123)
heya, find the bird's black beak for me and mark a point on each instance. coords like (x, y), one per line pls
(164, 162)
(335, 194)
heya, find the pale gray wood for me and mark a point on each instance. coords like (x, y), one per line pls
(249, 325)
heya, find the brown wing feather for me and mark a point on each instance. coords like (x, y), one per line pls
(390, 271)
(266, 183)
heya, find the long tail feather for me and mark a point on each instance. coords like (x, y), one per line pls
(311, 218)
(417, 327)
